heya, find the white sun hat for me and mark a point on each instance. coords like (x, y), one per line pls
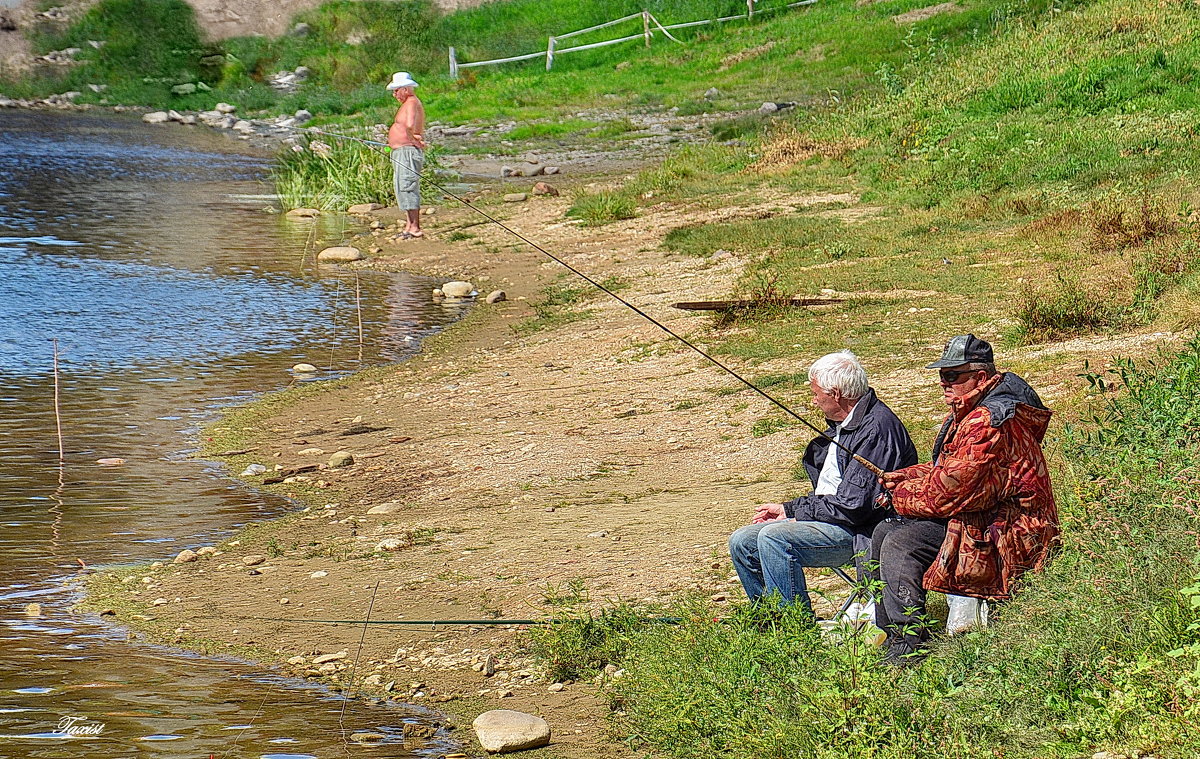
(401, 79)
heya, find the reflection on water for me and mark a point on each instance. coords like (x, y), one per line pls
(146, 253)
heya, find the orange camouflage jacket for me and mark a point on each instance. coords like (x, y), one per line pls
(989, 478)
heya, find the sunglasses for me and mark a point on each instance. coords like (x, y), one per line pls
(951, 377)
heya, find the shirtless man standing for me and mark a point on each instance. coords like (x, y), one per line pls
(406, 139)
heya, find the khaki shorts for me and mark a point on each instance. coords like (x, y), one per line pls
(407, 163)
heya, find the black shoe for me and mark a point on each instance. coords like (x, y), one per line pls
(902, 656)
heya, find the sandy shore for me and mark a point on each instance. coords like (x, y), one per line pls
(500, 467)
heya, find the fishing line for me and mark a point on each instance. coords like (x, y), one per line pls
(372, 143)
(442, 622)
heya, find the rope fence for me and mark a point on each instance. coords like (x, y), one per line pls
(649, 24)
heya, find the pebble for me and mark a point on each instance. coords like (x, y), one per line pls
(340, 254)
(496, 296)
(110, 461)
(206, 551)
(311, 452)
(515, 197)
(509, 171)
(318, 574)
(297, 660)
(160, 602)
(721, 255)
(185, 556)
(341, 459)
(305, 369)
(253, 560)
(253, 469)
(555, 687)
(391, 544)
(598, 534)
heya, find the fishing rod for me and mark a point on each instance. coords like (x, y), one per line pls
(444, 622)
(878, 472)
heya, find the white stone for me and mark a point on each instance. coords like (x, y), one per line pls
(390, 545)
(497, 296)
(304, 369)
(503, 730)
(340, 253)
(157, 117)
(224, 108)
(326, 658)
(458, 289)
(385, 508)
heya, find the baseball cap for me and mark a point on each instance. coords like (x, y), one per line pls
(964, 349)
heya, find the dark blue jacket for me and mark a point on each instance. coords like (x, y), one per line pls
(876, 434)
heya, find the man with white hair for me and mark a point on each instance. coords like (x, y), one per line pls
(407, 140)
(822, 529)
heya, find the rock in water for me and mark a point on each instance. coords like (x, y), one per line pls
(305, 369)
(303, 213)
(340, 253)
(496, 296)
(503, 730)
(458, 289)
(341, 459)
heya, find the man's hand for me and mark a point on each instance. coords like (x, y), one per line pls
(890, 480)
(768, 512)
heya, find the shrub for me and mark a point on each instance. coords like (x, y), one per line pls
(1067, 307)
(596, 209)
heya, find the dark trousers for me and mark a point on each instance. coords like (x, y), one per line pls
(901, 551)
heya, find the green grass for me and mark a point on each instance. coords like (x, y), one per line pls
(1101, 651)
(600, 208)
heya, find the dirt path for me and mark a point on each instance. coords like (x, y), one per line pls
(505, 467)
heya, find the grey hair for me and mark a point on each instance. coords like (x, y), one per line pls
(840, 371)
(976, 366)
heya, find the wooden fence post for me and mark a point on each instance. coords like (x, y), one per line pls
(453, 65)
(549, 52)
(646, 26)
(749, 9)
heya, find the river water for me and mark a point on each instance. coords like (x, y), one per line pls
(148, 255)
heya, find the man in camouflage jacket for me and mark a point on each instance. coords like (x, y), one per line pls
(981, 513)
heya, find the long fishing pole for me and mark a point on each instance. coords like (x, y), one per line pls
(442, 622)
(878, 472)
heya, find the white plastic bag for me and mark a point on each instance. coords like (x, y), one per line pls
(965, 613)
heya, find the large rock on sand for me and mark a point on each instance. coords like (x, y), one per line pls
(503, 730)
(458, 289)
(339, 254)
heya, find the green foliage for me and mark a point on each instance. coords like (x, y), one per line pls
(598, 208)
(1067, 307)
(336, 174)
(148, 47)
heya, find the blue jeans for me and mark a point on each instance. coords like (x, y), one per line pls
(771, 556)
